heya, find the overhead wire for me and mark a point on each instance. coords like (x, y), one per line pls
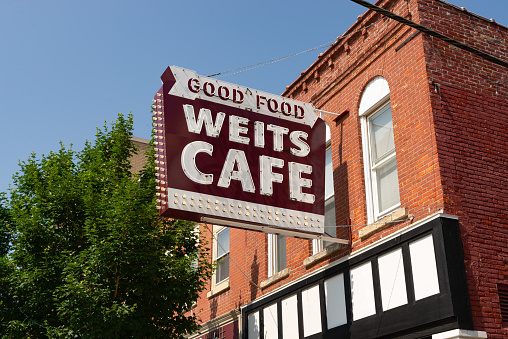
(328, 44)
(268, 62)
(231, 259)
(272, 61)
(391, 15)
(433, 33)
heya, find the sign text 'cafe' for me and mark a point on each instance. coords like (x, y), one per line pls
(235, 156)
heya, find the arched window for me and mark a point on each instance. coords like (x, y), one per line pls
(379, 156)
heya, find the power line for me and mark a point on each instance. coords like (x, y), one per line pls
(390, 15)
(269, 62)
(231, 259)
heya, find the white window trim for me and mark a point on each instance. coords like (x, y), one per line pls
(370, 173)
(272, 255)
(224, 284)
(318, 244)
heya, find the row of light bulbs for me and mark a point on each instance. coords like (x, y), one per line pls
(269, 214)
(158, 125)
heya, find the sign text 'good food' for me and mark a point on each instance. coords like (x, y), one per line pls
(231, 155)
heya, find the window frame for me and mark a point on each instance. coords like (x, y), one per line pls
(274, 252)
(370, 172)
(217, 287)
(317, 244)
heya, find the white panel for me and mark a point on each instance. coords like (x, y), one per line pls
(376, 90)
(392, 280)
(329, 191)
(311, 311)
(362, 291)
(270, 322)
(423, 265)
(290, 318)
(253, 325)
(335, 298)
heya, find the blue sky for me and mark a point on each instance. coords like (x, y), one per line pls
(67, 66)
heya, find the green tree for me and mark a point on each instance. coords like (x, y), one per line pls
(84, 253)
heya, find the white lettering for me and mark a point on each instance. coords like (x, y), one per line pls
(296, 138)
(259, 134)
(188, 160)
(267, 177)
(235, 129)
(205, 115)
(236, 157)
(296, 182)
(278, 133)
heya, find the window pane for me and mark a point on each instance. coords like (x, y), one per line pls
(222, 272)
(223, 242)
(387, 185)
(381, 129)
(328, 173)
(330, 217)
(281, 253)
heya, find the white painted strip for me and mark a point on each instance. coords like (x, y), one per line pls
(362, 291)
(253, 327)
(392, 279)
(311, 310)
(290, 318)
(335, 296)
(423, 265)
(270, 323)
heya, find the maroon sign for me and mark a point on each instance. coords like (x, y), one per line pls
(231, 155)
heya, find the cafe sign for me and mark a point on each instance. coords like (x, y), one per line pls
(235, 156)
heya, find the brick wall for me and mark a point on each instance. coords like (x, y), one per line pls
(451, 141)
(373, 47)
(470, 111)
(139, 159)
(334, 83)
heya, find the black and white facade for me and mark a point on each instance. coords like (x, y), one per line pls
(410, 285)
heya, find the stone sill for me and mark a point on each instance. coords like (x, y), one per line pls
(274, 278)
(383, 223)
(218, 289)
(324, 253)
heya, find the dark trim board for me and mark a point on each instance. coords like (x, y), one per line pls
(446, 310)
